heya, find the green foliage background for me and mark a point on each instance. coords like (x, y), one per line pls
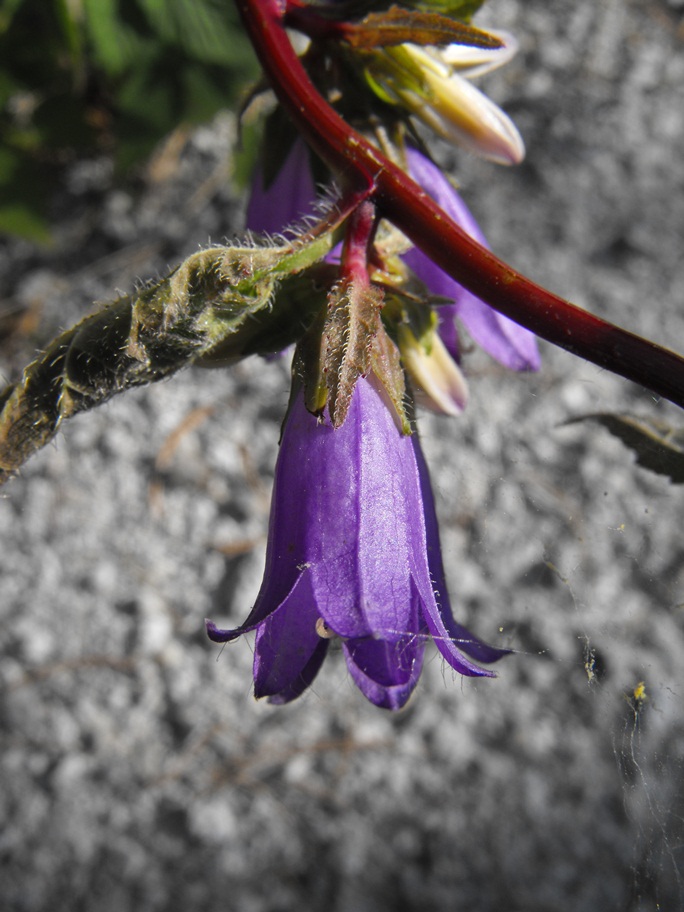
(86, 76)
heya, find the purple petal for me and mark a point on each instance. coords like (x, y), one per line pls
(452, 639)
(269, 600)
(297, 686)
(506, 341)
(511, 344)
(288, 198)
(286, 642)
(219, 635)
(389, 661)
(385, 673)
(340, 508)
(425, 173)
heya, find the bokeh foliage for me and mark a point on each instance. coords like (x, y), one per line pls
(112, 76)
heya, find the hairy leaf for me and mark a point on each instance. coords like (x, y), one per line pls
(217, 306)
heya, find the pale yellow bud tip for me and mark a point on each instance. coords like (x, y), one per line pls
(438, 382)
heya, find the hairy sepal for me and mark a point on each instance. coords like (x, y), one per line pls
(398, 26)
(349, 342)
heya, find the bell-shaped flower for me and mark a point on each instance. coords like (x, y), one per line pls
(433, 84)
(353, 554)
(506, 341)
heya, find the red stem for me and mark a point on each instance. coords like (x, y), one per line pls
(360, 231)
(407, 206)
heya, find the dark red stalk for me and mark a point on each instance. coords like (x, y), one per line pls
(401, 200)
(360, 231)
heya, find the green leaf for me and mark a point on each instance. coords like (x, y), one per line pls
(205, 29)
(59, 122)
(71, 30)
(116, 45)
(23, 221)
(658, 446)
(7, 10)
(117, 75)
(217, 306)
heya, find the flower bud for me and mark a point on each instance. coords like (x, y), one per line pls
(438, 382)
(432, 84)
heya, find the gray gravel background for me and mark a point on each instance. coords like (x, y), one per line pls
(137, 772)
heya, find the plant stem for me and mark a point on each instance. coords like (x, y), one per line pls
(360, 231)
(359, 164)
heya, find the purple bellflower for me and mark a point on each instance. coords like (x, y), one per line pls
(353, 553)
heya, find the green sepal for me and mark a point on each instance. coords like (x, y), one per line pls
(387, 367)
(401, 26)
(348, 343)
(353, 321)
(404, 309)
(308, 364)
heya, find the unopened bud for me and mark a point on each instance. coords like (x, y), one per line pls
(438, 382)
